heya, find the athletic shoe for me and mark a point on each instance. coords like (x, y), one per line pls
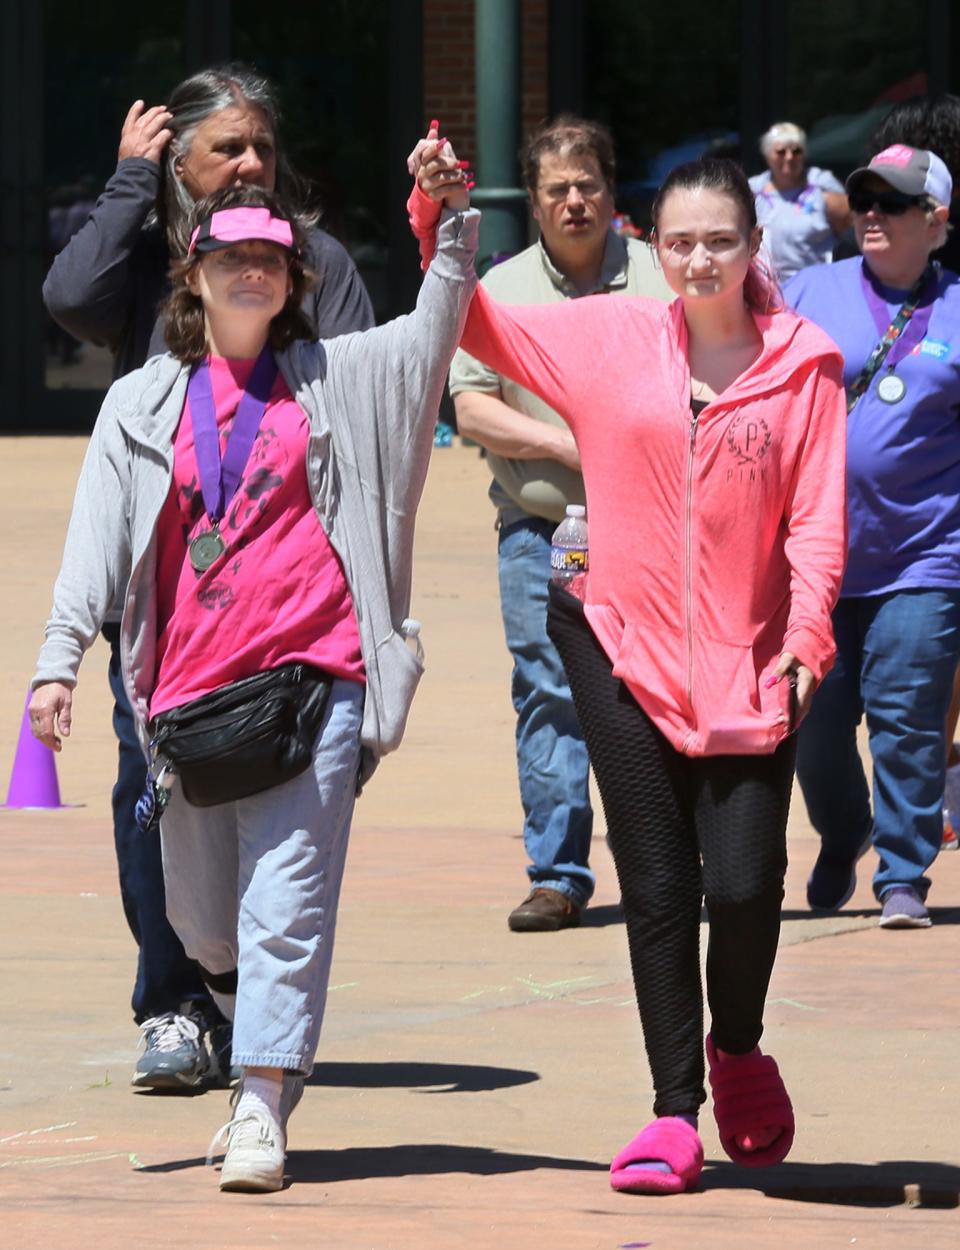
(174, 1054)
(903, 908)
(950, 840)
(833, 880)
(255, 1155)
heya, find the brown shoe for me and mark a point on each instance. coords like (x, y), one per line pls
(544, 911)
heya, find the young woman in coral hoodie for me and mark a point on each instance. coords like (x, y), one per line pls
(711, 433)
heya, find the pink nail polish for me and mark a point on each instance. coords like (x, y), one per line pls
(434, 125)
(463, 164)
(772, 680)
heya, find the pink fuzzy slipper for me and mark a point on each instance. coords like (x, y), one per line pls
(669, 1139)
(749, 1095)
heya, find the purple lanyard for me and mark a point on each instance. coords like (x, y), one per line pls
(219, 479)
(913, 319)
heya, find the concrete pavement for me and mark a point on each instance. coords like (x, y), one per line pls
(473, 1083)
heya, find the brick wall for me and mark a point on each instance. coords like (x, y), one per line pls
(448, 72)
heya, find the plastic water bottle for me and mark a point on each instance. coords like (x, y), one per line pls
(569, 551)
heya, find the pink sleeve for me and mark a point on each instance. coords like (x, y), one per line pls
(424, 216)
(548, 348)
(816, 517)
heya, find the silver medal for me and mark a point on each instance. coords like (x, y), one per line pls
(205, 549)
(891, 389)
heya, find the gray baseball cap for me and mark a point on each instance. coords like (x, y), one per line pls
(914, 171)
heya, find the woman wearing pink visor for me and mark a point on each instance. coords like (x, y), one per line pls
(250, 499)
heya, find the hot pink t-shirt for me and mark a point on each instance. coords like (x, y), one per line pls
(278, 593)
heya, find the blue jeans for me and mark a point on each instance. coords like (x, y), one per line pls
(896, 657)
(254, 885)
(552, 758)
(165, 976)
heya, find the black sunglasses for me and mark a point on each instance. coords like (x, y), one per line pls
(890, 203)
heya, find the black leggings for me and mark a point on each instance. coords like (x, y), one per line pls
(666, 812)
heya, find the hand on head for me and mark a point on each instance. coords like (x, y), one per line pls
(145, 132)
(50, 711)
(439, 174)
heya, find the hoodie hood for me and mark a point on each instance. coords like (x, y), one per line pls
(791, 346)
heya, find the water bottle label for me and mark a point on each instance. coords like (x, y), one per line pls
(569, 559)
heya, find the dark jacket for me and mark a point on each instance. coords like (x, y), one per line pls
(106, 284)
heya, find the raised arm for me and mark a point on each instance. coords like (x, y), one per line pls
(89, 289)
(390, 379)
(545, 348)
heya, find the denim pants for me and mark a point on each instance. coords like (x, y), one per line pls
(896, 657)
(254, 885)
(552, 758)
(166, 978)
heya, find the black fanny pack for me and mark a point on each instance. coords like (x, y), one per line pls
(245, 738)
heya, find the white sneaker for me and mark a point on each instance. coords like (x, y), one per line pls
(255, 1155)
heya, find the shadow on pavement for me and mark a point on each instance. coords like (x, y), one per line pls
(457, 1077)
(358, 1163)
(894, 1183)
(939, 915)
(362, 1162)
(601, 916)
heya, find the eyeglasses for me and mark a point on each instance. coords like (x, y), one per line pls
(890, 203)
(793, 150)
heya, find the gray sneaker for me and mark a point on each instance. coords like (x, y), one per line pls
(174, 1055)
(903, 908)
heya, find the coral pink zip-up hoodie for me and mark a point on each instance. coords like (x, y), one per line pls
(715, 543)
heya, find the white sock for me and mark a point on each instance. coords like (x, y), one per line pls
(260, 1093)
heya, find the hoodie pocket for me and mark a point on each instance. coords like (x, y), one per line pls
(735, 711)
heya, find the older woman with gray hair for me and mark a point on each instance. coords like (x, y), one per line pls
(802, 209)
(218, 128)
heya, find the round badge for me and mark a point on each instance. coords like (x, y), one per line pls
(891, 389)
(205, 549)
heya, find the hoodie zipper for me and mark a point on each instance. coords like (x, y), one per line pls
(688, 559)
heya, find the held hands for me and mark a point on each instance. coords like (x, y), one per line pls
(789, 667)
(145, 132)
(439, 175)
(51, 710)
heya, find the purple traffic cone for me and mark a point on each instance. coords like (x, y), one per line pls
(33, 781)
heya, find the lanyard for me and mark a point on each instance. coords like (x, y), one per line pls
(219, 479)
(897, 337)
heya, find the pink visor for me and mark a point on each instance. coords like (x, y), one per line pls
(237, 225)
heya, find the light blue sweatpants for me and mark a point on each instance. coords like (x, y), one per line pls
(254, 885)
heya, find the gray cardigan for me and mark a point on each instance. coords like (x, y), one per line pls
(371, 398)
